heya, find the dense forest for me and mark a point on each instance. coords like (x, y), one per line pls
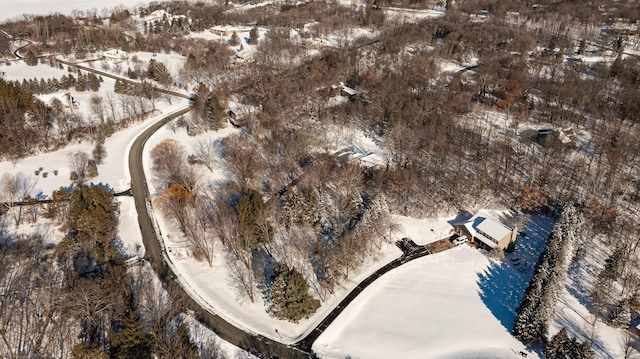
(295, 218)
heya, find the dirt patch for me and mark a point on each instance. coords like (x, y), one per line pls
(440, 245)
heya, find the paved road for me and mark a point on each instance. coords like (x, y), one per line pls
(116, 77)
(260, 346)
(256, 344)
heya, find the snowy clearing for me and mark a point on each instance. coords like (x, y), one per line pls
(455, 304)
(44, 7)
(114, 171)
(428, 308)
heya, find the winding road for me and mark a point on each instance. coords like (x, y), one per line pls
(258, 345)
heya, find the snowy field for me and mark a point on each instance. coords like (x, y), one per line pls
(44, 7)
(455, 304)
(114, 171)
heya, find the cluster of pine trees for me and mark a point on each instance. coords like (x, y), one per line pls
(84, 82)
(207, 108)
(541, 296)
(78, 300)
(24, 122)
(143, 89)
(563, 347)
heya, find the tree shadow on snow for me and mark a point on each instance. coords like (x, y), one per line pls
(501, 285)
(501, 289)
(581, 329)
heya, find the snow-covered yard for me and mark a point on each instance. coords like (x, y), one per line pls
(429, 308)
(114, 171)
(455, 304)
(212, 286)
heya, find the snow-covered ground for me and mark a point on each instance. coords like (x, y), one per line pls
(19, 70)
(356, 145)
(211, 286)
(243, 50)
(424, 230)
(43, 7)
(428, 308)
(572, 310)
(454, 304)
(114, 171)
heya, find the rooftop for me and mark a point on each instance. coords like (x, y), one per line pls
(493, 228)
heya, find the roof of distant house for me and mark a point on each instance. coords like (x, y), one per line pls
(349, 91)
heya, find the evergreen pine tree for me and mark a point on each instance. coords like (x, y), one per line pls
(81, 83)
(42, 86)
(250, 206)
(131, 341)
(620, 315)
(72, 80)
(94, 82)
(585, 351)
(290, 298)
(64, 82)
(119, 86)
(188, 348)
(215, 113)
(151, 70)
(555, 346)
(131, 74)
(99, 151)
(55, 84)
(253, 36)
(234, 39)
(92, 168)
(30, 58)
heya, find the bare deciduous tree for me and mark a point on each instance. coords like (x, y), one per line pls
(16, 188)
(79, 162)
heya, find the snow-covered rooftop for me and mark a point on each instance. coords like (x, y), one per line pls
(493, 228)
(480, 227)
